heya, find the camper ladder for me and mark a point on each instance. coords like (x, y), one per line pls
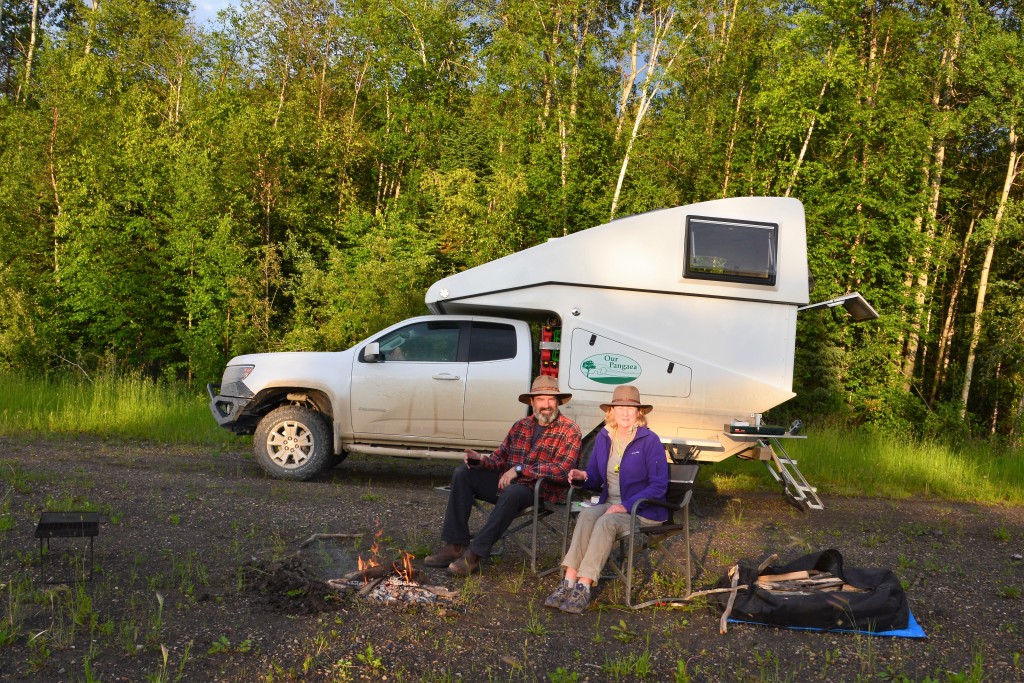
(794, 485)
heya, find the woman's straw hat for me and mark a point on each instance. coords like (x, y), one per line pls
(627, 395)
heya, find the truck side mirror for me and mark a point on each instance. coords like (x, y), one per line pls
(372, 354)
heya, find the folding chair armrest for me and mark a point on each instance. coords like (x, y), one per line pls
(663, 503)
(562, 483)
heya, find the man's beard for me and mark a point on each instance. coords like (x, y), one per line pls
(545, 418)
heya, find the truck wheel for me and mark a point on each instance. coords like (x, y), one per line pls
(293, 442)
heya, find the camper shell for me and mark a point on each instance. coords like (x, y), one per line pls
(695, 305)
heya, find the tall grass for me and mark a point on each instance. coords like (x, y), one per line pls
(126, 406)
(836, 461)
(865, 463)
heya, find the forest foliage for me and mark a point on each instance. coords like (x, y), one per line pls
(295, 175)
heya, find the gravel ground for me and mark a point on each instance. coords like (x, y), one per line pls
(201, 574)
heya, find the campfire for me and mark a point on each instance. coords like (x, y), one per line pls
(388, 581)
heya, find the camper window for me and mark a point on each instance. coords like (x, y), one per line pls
(733, 251)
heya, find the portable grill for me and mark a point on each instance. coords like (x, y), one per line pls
(67, 525)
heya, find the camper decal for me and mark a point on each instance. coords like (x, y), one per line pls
(610, 368)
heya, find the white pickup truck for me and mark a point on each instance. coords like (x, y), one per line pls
(696, 305)
(426, 387)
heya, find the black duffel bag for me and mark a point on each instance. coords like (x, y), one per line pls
(879, 605)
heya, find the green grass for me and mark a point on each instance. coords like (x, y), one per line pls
(122, 406)
(863, 463)
(837, 462)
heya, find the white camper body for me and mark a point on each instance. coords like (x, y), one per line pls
(695, 305)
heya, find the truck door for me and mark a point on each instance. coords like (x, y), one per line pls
(498, 372)
(418, 389)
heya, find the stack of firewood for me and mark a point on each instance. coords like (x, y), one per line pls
(803, 583)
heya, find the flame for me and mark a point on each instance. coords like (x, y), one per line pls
(372, 560)
(363, 565)
(406, 570)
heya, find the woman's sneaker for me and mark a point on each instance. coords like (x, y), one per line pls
(556, 599)
(578, 599)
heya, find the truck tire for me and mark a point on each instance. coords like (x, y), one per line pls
(293, 442)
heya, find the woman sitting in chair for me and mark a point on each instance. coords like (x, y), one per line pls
(628, 463)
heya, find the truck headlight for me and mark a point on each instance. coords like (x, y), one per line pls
(236, 373)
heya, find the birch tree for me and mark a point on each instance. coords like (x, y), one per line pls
(995, 72)
(655, 40)
(942, 117)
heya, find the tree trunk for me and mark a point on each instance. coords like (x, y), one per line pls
(567, 121)
(1017, 419)
(946, 336)
(661, 19)
(940, 104)
(979, 306)
(807, 140)
(629, 77)
(732, 141)
(284, 88)
(995, 405)
(31, 51)
(91, 22)
(56, 195)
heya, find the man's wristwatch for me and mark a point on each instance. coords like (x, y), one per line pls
(519, 470)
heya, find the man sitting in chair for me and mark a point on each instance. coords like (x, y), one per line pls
(544, 445)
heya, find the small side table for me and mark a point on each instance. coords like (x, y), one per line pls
(67, 525)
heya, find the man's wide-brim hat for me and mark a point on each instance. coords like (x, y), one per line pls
(627, 395)
(545, 386)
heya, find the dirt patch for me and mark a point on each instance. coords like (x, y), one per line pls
(200, 554)
(289, 587)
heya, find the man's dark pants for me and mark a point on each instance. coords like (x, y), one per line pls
(468, 484)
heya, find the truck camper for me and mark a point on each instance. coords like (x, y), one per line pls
(695, 305)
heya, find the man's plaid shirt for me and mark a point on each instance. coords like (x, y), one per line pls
(556, 452)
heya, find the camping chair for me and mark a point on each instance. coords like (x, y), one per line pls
(530, 520)
(644, 540)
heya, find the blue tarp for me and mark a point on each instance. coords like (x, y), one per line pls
(913, 629)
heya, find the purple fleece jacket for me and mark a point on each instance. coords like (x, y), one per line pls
(643, 472)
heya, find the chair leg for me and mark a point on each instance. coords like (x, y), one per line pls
(533, 536)
(627, 576)
(686, 535)
(629, 571)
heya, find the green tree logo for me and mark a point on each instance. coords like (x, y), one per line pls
(610, 368)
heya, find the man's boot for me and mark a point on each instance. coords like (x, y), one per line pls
(465, 565)
(445, 556)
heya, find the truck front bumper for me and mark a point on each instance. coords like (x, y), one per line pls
(226, 409)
